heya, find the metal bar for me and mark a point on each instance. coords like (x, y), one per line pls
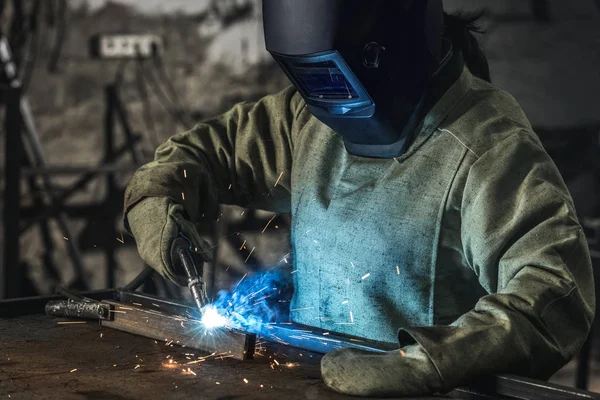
(36, 305)
(316, 340)
(10, 274)
(516, 387)
(180, 330)
(78, 309)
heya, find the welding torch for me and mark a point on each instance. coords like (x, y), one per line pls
(188, 263)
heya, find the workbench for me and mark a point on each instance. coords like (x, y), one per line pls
(43, 357)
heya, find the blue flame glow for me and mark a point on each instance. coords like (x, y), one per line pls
(255, 300)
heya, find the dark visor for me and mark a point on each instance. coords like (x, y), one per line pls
(322, 80)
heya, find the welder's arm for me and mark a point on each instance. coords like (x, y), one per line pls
(521, 237)
(235, 158)
(242, 157)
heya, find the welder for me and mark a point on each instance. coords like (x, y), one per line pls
(425, 211)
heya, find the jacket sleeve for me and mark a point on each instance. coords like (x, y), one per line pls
(521, 236)
(243, 157)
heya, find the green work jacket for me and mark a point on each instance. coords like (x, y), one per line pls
(468, 244)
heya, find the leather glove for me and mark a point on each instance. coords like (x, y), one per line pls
(404, 372)
(154, 223)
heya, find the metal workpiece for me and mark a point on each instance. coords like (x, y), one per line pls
(78, 309)
(179, 329)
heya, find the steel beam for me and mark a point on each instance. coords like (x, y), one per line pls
(174, 322)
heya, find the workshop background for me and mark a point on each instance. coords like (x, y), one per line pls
(96, 120)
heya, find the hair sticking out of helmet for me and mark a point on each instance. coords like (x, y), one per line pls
(460, 29)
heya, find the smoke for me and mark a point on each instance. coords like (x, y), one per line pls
(255, 300)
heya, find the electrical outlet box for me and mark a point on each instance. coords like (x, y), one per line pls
(109, 46)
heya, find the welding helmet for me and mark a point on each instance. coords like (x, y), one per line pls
(362, 66)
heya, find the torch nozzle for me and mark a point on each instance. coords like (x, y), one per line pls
(182, 259)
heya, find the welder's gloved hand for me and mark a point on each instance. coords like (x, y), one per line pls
(155, 222)
(398, 373)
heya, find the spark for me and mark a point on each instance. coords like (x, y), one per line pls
(229, 188)
(243, 277)
(217, 383)
(73, 370)
(71, 322)
(157, 305)
(66, 238)
(184, 173)
(276, 362)
(301, 309)
(245, 380)
(249, 254)
(397, 270)
(243, 245)
(402, 353)
(351, 317)
(292, 364)
(137, 304)
(351, 263)
(365, 277)
(294, 271)
(169, 342)
(280, 175)
(268, 223)
(137, 366)
(255, 293)
(100, 334)
(191, 372)
(345, 301)
(121, 240)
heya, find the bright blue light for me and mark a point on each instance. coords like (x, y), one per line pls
(253, 301)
